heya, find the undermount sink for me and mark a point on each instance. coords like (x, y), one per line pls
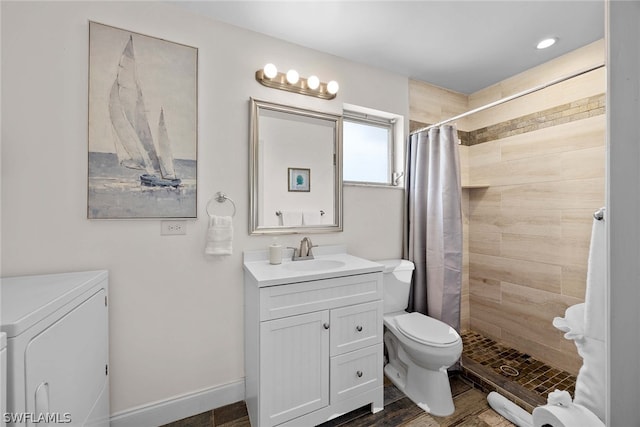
(313, 265)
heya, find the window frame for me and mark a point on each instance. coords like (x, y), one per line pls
(389, 123)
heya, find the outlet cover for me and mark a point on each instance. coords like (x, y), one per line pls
(168, 228)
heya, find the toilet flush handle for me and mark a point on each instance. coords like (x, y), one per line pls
(326, 325)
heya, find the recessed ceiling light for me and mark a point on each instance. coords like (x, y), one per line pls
(543, 44)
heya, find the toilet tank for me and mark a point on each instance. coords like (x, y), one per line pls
(396, 283)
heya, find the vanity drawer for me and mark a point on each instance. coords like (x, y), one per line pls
(355, 327)
(305, 297)
(356, 372)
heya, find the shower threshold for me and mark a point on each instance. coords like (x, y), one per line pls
(519, 377)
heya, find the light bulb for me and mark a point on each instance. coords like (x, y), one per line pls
(332, 87)
(292, 77)
(270, 71)
(546, 43)
(313, 82)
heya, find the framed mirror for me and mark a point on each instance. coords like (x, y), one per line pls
(295, 170)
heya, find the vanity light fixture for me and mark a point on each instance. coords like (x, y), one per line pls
(292, 82)
(543, 44)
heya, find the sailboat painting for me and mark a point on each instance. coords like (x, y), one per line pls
(142, 126)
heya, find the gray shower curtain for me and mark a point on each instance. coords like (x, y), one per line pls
(433, 223)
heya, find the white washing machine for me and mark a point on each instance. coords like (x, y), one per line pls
(57, 349)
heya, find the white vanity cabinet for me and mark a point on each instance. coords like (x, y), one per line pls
(313, 344)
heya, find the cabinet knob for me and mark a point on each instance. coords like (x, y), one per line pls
(359, 328)
(326, 325)
(359, 374)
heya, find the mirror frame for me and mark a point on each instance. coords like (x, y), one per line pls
(254, 137)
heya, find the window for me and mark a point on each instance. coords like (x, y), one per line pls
(368, 149)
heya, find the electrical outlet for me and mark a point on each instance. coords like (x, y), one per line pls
(173, 228)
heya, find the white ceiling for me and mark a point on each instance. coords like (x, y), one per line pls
(459, 45)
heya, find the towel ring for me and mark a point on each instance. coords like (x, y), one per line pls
(221, 198)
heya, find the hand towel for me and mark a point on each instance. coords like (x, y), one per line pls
(584, 324)
(291, 218)
(219, 235)
(594, 299)
(591, 383)
(311, 218)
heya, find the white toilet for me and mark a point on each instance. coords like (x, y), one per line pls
(420, 348)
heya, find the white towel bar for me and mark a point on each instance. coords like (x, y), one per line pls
(279, 213)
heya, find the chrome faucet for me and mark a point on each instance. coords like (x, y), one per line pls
(304, 252)
(305, 248)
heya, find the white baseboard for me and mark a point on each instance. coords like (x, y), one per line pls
(179, 407)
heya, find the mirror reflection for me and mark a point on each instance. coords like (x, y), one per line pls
(295, 170)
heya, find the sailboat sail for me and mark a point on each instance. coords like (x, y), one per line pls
(128, 147)
(134, 143)
(164, 148)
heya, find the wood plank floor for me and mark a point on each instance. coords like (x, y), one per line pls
(471, 405)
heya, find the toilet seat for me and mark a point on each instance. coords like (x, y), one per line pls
(426, 330)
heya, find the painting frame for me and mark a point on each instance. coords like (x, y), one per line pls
(299, 180)
(142, 126)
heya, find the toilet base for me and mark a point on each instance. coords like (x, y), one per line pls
(430, 390)
(394, 375)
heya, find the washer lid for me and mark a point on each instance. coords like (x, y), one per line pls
(426, 330)
(26, 300)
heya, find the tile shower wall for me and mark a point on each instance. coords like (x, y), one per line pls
(542, 158)
(529, 233)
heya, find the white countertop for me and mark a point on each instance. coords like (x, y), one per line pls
(256, 264)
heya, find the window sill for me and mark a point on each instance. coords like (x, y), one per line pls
(364, 184)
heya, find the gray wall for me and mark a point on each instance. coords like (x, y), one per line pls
(623, 215)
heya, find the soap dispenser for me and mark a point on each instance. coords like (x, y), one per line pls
(275, 253)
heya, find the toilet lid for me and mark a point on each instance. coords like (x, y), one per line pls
(426, 330)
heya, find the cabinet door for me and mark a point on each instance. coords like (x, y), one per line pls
(294, 366)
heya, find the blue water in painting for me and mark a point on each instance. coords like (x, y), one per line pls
(116, 191)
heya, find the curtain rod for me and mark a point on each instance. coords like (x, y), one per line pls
(510, 98)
